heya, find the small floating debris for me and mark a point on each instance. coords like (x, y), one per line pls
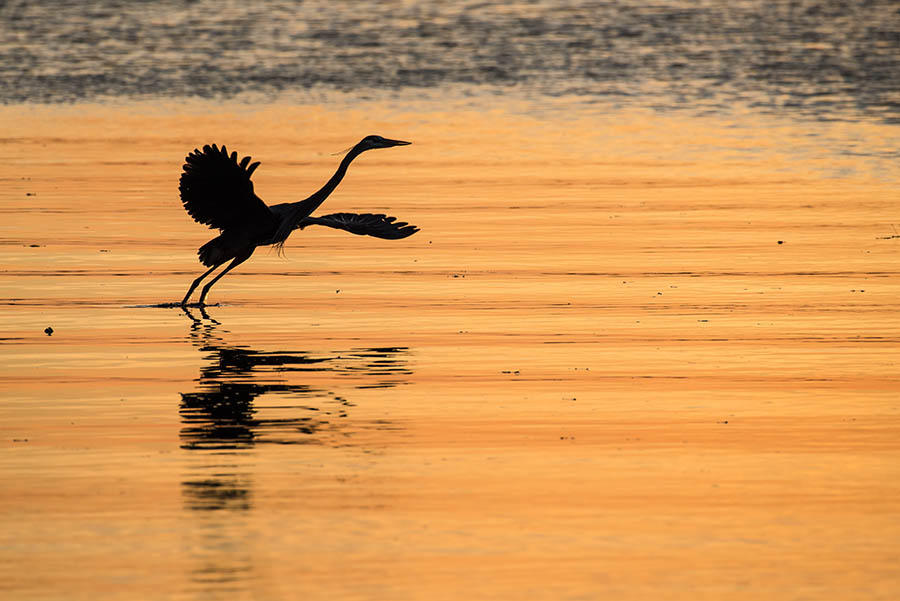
(48, 331)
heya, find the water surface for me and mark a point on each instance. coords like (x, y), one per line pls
(822, 59)
(645, 345)
(601, 368)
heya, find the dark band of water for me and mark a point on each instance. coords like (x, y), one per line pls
(821, 58)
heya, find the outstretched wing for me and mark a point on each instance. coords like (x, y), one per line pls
(216, 190)
(365, 224)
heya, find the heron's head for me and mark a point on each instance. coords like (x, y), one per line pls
(370, 142)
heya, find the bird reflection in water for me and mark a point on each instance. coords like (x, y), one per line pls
(247, 397)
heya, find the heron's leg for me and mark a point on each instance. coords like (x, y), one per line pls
(197, 283)
(237, 261)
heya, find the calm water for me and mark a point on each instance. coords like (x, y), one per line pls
(645, 345)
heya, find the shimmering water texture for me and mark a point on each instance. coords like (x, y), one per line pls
(629, 355)
(824, 59)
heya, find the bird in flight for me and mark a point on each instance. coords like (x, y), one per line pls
(216, 191)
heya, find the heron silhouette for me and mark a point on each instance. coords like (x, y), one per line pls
(216, 191)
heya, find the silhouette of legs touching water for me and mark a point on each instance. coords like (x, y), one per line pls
(201, 302)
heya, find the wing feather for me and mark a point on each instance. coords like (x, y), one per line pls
(216, 191)
(377, 225)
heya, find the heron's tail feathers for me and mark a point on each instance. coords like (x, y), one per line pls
(214, 252)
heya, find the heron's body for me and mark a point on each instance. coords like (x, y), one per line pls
(216, 190)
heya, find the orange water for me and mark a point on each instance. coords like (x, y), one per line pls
(629, 356)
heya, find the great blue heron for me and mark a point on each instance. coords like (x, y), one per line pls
(216, 191)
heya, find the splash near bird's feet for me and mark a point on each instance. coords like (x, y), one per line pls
(176, 305)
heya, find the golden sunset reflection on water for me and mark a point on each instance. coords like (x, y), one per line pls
(630, 355)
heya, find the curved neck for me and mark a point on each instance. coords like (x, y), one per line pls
(332, 183)
(306, 207)
(298, 211)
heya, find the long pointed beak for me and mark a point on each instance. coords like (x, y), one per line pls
(396, 143)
